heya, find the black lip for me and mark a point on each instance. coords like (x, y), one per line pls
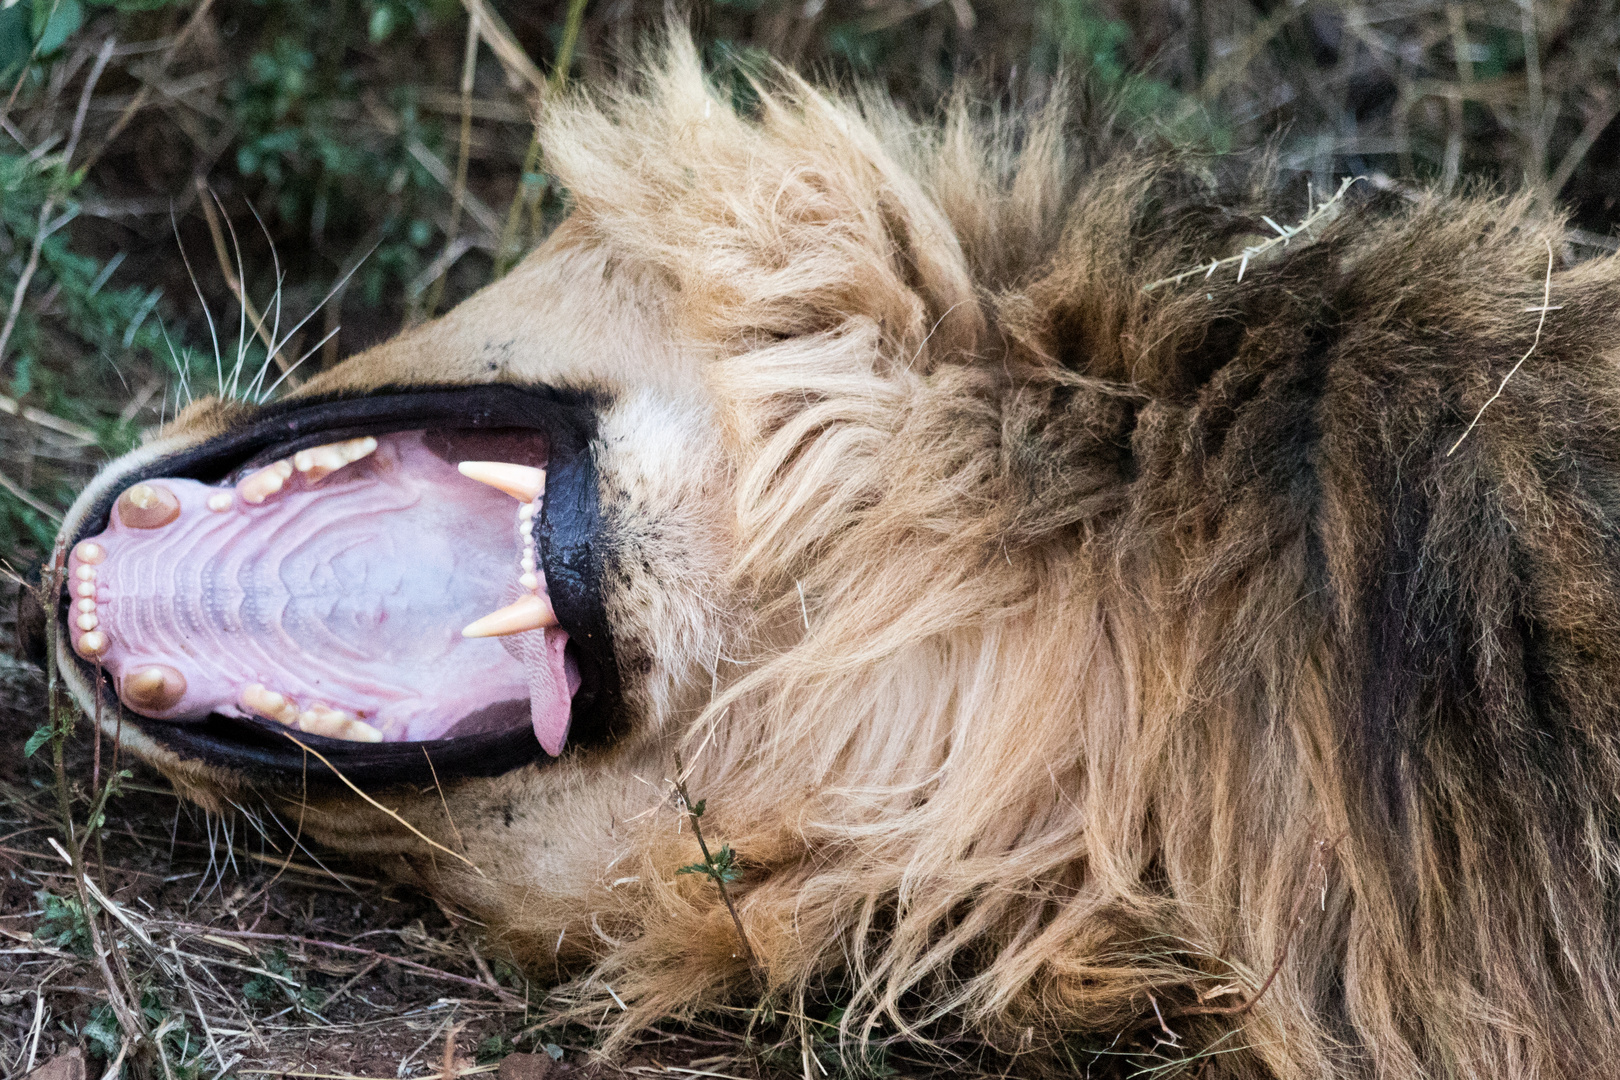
(570, 547)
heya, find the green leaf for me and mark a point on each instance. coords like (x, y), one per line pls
(382, 24)
(54, 22)
(695, 868)
(38, 739)
(696, 809)
(16, 39)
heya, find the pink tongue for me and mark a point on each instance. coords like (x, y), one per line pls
(553, 678)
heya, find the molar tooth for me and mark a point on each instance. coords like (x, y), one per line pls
(525, 613)
(147, 506)
(87, 605)
(85, 589)
(155, 687)
(221, 502)
(523, 482)
(85, 573)
(336, 724)
(91, 645)
(264, 483)
(89, 551)
(318, 462)
(87, 622)
(529, 581)
(269, 704)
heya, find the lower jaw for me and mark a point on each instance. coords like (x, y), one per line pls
(477, 732)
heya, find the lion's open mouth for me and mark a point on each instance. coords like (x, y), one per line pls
(385, 585)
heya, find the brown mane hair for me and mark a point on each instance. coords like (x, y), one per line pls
(1115, 652)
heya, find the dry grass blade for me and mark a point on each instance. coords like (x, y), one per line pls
(1546, 306)
(418, 833)
(1323, 213)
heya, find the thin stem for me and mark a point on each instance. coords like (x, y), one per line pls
(754, 967)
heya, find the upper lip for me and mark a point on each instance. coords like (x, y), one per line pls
(570, 551)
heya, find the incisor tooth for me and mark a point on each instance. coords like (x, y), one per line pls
(525, 613)
(155, 687)
(148, 506)
(264, 483)
(523, 482)
(221, 502)
(319, 462)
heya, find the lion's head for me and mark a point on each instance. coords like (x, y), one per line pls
(1063, 641)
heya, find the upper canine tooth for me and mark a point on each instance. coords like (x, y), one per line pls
(523, 482)
(156, 687)
(147, 506)
(264, 483)
(525, 613)
(319, 462)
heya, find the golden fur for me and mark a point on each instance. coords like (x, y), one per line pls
(1059, 655)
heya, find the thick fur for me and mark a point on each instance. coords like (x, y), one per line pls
(1062, 655)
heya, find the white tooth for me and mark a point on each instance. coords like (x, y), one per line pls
(523, 614)
(523, 482)
(221, 502)
(87, 606)
(336, 724)
(319, 462)
(526, 511)
(527, 562)
(85, 573)
(87, 622)
(92, 644)
(529, 581)
(268, 704)
(85, 589)
(264, 483)
(90, 552)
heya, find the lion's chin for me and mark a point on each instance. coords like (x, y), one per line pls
(364, 586)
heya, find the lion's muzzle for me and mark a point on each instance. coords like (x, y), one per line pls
(389, 586)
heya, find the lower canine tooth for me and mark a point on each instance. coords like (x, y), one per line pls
(156, 687)
(264, 483)
(148, 506)
(525, 613)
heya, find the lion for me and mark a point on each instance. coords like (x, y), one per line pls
(1086, 622)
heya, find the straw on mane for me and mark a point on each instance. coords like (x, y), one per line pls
(1112, 651)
